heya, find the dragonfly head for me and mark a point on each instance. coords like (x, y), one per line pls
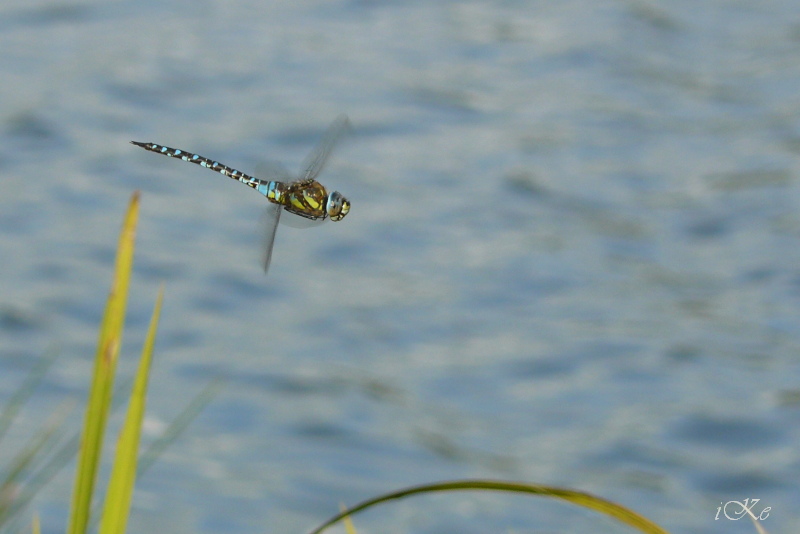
(337, 206)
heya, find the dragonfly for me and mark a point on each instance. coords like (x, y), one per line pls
(301, 195)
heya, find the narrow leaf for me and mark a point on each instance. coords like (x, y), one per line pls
(35, 449)
(24, 392)
(123, 475)
(579, 498)
(102, 386)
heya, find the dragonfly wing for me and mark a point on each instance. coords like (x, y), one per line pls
(296, 221)
(269, 171)
(272, 217)
(315, 161)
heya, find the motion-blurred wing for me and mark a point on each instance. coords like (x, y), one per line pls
(272, 218)
(296, 221)
(269, 171)
(316, 161)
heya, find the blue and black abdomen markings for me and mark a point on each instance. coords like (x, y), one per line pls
(202, 161)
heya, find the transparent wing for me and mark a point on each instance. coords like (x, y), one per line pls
(268, 171)
(272, 217)
(296, 221)
(316, 161)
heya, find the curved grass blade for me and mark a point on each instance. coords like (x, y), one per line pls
(579, 498)
(123, 475)
(97, 408)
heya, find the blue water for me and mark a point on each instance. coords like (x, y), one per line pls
(571, 256)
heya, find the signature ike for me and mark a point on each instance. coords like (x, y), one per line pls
(735, 510)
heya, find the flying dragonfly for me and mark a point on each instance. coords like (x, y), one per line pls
(302, 195)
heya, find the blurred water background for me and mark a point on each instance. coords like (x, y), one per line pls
(572, 254)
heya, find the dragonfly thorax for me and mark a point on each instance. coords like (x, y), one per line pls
(308, 199)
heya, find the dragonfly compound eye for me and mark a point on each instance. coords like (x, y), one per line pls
(337, 206)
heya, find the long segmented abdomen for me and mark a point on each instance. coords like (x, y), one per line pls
(203, 162)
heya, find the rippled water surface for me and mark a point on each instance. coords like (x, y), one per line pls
(572, 254)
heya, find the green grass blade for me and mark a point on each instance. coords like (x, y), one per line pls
(66, 451)
(175, 428)
(37, 447)
(51, 467)
(109, 341)
(579, 498)
(24, 392)
(179, 424)
(45, 473)
(123, 475)
(349, 528)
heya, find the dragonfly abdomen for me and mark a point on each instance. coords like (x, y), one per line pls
(202, 161)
